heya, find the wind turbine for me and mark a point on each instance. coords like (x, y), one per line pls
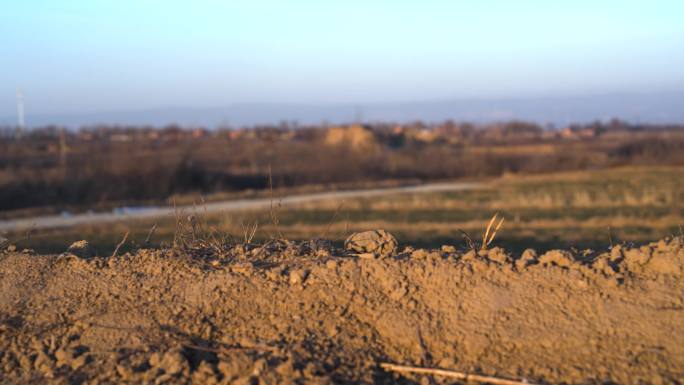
(21, 123)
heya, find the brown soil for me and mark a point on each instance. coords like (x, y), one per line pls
(308, 313)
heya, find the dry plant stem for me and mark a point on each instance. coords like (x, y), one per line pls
(496, 230)
(452, 374)
(327, 229)
(176, 215)
(228, 349)
(273, 212)
(149, 235)
(610, 237)
(249, 234)
(471, 244)
(125, 237)
(488, 236)
(32, 229)
(26, 237)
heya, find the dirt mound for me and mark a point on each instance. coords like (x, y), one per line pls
(307, 313)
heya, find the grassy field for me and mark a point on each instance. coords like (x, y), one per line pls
(578, 209)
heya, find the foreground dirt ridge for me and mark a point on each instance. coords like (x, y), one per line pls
(309, 313)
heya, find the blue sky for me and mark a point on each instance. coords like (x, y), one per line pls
(93, 55)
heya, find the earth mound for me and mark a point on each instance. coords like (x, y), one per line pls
(308, 313)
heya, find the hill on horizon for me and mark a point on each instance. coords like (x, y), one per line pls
(663, 107)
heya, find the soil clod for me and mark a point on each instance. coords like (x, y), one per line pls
(375, 244)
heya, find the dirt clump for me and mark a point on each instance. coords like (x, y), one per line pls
(372, 244)
(309, 313)
(82, 249)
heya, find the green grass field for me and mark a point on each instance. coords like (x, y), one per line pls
(578, 209)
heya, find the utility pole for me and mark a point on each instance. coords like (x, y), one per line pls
(21, 123)
(63, 149)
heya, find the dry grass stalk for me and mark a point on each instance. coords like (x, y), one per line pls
(488, 236)
(249, 231)
(149, 235)
(469, 241)
(337, 211)
(274, 210)
(452, 374)
(194, 231)
(610, 237)
(118, 246)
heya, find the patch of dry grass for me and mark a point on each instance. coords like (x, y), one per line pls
(559, 210)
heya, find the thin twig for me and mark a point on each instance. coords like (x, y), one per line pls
(273, 212)
(610, 237)
(249, 234)
(120, 244)
(469, 240)
(224, 349)
(26, 237)
(149, 235)
(453, 374)
(327, 229)
(176, 216)
(33, 229)
(262, 248)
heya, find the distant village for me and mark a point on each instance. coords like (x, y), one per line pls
(105, 163)
(355, 135)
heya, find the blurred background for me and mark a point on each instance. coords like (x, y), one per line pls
(421, 117)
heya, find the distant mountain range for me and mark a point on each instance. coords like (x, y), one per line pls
(559, 111)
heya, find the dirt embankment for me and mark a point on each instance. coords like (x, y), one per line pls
(305, 313)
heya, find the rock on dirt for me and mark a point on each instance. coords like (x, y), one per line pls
(82, 249)
(291, 315)
(372, 244)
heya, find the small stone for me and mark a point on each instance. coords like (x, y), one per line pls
(12, 248)
(331, 264)
(63, 357)
(78, 362)
(260, 366)
(285, 369)
(25, 363)
(560, 258)
(273, 274)
(298, 276)
(124, 372)
(247, 380)
(204, 374)
(419, 254)
(245, 268)
(155, 359)
(82, 249)
(173, 362)
(448, 249)
(497, 255)
(528, 257)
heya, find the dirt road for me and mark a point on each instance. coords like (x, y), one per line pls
(137, 213)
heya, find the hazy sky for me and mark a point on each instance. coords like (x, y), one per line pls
(91, 55)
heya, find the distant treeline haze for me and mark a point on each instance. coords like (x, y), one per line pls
(95, 166)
